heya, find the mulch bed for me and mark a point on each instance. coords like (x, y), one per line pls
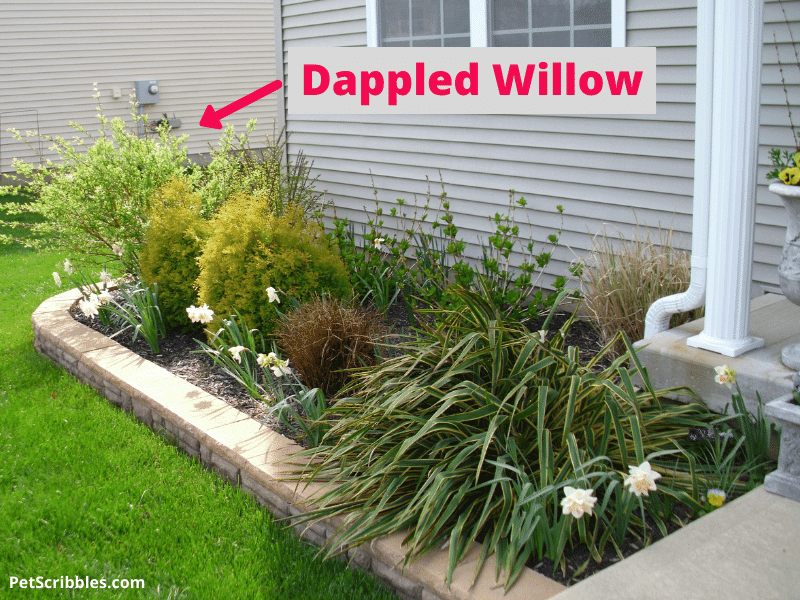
(179, 355)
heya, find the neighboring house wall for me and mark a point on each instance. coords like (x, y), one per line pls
(611, 171)
(204, 52)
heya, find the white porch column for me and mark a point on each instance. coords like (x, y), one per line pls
(734, 145)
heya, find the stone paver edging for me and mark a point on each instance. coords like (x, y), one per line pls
(248, 454)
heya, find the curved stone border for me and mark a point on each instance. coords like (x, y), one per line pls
(248, 454)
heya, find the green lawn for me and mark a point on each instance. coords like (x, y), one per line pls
(87, 491)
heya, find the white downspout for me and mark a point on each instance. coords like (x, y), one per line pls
(660, 312)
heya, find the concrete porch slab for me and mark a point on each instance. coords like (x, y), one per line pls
(671, 362)
(745, 551)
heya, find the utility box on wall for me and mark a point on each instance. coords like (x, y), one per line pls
(146, 91)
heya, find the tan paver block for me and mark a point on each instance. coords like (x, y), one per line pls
(238, 439)
(76, 338)
(55, 305)
(530, 585)
(430, 569)
(271, 466)
(127, 371)
(64, 332)
(62, 301)
(197, 415)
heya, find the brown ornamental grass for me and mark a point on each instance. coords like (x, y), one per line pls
(326, 337)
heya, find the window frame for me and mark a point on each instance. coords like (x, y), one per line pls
(479, 23)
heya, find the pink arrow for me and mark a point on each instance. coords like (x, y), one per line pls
(212, 118)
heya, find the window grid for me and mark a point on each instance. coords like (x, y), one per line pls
(411, 38)
(531, 30)
(481, 16)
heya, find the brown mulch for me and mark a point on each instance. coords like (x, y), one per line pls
(181, 356)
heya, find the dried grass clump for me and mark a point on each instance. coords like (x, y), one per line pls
(623, 277)
(326, 336)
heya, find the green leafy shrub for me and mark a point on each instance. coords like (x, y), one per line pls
(484, 429)
(423, 256)
(94, 197)
(236, 168)
(326, 336)
(251, 250)
(173, 243)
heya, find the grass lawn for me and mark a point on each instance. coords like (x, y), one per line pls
(87, 491)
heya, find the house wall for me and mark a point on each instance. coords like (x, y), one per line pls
(607, 172)
(202, 52)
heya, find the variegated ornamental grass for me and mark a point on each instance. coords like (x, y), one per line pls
(475, 432)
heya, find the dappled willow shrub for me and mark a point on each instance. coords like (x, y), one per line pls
(326, 336)
(478, 428)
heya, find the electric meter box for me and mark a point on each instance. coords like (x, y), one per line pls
(146, 91)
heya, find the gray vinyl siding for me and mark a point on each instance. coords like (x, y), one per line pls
(203, 52)
(608, 172)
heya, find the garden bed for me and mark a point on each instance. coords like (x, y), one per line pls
(247, 453)
(179, 354)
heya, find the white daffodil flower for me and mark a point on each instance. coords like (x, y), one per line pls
(57, 278)
(89, 307)
(272, 294)
(104, 297)
(281, 368)
(68, 267)
(642, 479)
(578, 501)
(236, 352)
(105, 277)
(116, 249)
(725, 376)
(201, 314)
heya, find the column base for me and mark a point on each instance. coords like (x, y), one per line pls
(728, 347)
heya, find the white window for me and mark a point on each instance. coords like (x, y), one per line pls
(500, 23)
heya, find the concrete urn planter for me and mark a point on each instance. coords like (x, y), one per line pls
(789, 266)
(786, 480)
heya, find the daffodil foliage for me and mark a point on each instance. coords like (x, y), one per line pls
(482, 430)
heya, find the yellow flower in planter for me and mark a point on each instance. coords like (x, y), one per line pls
(790, 176)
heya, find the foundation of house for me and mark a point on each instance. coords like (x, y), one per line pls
(672, 363)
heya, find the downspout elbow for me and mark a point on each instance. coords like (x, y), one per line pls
(661, 311)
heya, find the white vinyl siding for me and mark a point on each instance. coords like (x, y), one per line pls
(204, 52)
(606, 171)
